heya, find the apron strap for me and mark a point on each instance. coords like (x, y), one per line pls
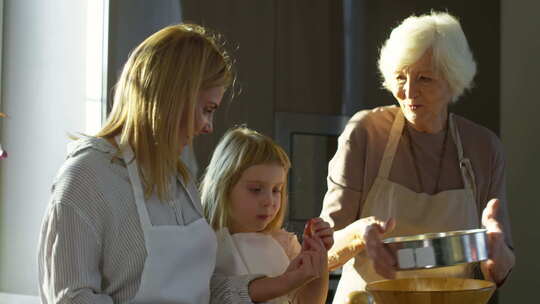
(135, 180)
(391, 146)
(465, 165)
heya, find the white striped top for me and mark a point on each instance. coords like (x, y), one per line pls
(92, 246)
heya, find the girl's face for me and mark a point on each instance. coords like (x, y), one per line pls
(256, 198)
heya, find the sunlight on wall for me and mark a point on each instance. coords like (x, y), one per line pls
(96, 67)
(52, 87)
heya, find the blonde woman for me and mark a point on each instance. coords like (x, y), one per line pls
(244, 195)
(416, 168)
(125, 223)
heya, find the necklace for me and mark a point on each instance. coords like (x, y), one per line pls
(443, 152)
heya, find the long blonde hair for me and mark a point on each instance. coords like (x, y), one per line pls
(239, 149)
(157, 92)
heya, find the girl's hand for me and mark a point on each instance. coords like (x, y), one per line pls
(318, 227)
(501, 258)
(308, 265)
(305, 268)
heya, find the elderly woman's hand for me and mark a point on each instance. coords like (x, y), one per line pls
(501, 257)
(362, 234)
(384, 260)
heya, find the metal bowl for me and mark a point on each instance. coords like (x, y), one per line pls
(442, 249)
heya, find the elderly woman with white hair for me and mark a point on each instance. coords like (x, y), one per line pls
(416, 168)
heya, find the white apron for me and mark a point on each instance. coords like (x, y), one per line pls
(251, 253)
(414, 213)
(180, 259)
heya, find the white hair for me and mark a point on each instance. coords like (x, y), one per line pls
(440, 32)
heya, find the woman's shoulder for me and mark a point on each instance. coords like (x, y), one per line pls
(476, 134)
(86, 155)
(374, 121)
(88, 167)
(90, 184)
(88, 146)
(366, 118)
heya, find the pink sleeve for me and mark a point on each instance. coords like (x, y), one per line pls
(288, 241)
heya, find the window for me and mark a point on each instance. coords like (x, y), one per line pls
(96, 66)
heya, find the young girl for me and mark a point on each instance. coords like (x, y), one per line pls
(244, 199)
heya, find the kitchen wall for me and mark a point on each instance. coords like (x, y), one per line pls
(299, 56)
(520, 109)
(43, 92)
(249, 29)
(130, 22)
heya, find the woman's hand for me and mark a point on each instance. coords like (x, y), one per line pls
(354, 238)
(318, 227)
(384, 260)
(501, 257)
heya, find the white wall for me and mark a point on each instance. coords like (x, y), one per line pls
(45, 95)
(520, 132)
(43, 91)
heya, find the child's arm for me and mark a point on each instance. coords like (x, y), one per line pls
(316, 291)
(304, 268)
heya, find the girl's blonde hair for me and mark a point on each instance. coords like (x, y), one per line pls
(239, 149)
(156, 96)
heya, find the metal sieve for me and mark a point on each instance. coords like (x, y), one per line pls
(442, 249)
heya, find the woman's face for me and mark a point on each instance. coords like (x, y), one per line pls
(207, 103)
(423, 94)
(256, 198)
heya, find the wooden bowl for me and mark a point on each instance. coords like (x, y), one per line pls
(431, 291)
(358, 297)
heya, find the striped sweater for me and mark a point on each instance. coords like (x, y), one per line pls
(91, 243)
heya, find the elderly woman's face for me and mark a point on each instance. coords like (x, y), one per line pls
(423, 95)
